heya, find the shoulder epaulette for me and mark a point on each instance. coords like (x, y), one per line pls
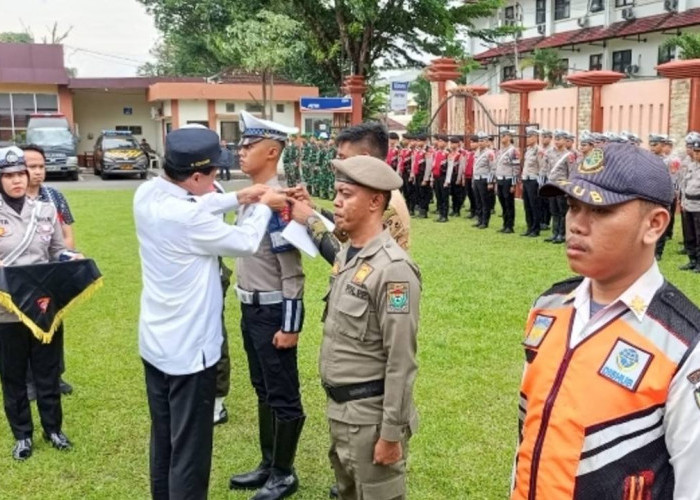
(676, 312)
(564, 287)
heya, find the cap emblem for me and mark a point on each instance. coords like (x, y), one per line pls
(593, 163)
(11, 157)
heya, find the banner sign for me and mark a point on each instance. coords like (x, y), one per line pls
(398, 97)
(326, 104)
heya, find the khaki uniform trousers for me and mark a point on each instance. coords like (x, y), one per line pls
(351, 455)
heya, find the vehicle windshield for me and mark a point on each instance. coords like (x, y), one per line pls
(46, 137)
(119, 143)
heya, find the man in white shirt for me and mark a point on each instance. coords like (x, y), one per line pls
(610, 397)
(181, 235)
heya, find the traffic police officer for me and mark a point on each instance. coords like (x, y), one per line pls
(532, 169)
(484, 171)
(690, 201)
(562, 161)
(507, 173)
(270, 287)
(368, 354)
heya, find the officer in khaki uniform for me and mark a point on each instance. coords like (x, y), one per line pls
(368, 354)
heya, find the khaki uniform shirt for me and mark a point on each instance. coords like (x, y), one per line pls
(561, 164)
(484, 164)
(508, 163)
(46, 244)
(369, 333)
(534, 162)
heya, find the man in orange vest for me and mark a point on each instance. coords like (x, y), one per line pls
(610, 396)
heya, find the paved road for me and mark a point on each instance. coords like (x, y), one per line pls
(90, 182)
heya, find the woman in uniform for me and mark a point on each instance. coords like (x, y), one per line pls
(30, 233)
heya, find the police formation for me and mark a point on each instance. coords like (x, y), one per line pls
(447, 171)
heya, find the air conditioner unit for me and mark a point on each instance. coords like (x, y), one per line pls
(671, 5)
(628, 13)
(541, 29)
(583, 21)
(631, 69)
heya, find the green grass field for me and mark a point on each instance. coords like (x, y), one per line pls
(478, 286)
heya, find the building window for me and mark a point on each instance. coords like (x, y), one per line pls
(562, 9)
(508, 73)
(46, 103)
(666, 54)
(595, 62)
(621, 59)
(624, 3)
(254, 107)
(15, 110)
(230, 132)
(509, 15)
(279, 108)
(540, 11)
(597, 5)
(230, 107)
(134, 129)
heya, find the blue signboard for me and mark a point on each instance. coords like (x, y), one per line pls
(326, 104)
(128, 111)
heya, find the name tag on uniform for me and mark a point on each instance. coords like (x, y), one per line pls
(626, 365)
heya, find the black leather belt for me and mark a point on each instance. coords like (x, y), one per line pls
(692, 197)
(352, 392)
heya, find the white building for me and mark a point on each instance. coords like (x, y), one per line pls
(619, 35)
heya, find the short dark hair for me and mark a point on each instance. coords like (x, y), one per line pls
(179, 175)
(34, 147)
(374, 135)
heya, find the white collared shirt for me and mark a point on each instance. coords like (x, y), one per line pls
(636, 298)
(180, 239)
(682, 418)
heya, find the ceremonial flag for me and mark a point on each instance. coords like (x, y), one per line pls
(41, 294)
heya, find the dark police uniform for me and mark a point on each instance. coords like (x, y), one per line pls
(368, 356)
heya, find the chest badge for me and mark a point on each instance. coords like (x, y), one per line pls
(362, 273)
(626, 365)
(397, 298)
(538, 330)
(336, 268)
(638, 305)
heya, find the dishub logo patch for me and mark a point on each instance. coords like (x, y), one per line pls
(43, 303)
(626, 365)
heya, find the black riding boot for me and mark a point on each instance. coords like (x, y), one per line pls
(257, 478)
(283, 481)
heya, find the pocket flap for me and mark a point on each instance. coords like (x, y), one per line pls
(386, 490)
(352, 306)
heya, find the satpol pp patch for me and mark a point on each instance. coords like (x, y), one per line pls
(397, 298)
(538, 330)
(626, 365)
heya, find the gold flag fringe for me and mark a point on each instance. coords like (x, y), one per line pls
(46, 336)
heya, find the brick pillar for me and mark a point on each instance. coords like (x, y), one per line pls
(685, 97)
(65, 103)
(518, 103)
(355, 86)
(175, 114)
(467, 93)
(439, 71)
(211, 114)
(591, 100)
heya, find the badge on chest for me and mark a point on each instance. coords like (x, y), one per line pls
(626, 365)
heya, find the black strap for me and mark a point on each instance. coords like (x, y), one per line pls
(352, 392)
(692, 197)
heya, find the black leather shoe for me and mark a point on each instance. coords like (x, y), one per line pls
(31, 391)
(333, 492)
(65, 387)
(441, 219)
(482, 226)
(222, 417)
(502, 230)
(58, 440)
(266, 435)
(508, 230)
(559, 240)
(536, 234)
(550, 239)
(526, 233)
(22, 449)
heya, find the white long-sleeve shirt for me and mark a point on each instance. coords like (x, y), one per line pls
(180, 237)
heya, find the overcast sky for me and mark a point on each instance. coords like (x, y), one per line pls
(109, 37)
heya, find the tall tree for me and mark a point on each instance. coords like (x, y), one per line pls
(689, 43)
(16, 37)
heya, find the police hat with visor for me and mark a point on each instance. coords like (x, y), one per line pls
(367, 171)
(256, 129)
(616, 174)
(529, 131)
(189, 149)
(12, 160)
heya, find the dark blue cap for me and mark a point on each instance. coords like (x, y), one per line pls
(615, 174)
(190, 149)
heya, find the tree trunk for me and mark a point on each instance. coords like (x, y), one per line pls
(272, 96)
(263, 75)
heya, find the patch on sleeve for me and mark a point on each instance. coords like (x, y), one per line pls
(362, 273)
(538, 330)
(694, 378)
(397, 298)
(626, 365)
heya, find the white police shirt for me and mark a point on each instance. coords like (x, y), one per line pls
(180, 237)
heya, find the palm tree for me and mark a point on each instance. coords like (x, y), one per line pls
(689, 43)
(547, 64)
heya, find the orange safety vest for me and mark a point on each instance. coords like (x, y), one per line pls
(591, 417)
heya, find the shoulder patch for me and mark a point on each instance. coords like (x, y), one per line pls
(677, 313)
(540, 327)
(362, 273)
(397, 298)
